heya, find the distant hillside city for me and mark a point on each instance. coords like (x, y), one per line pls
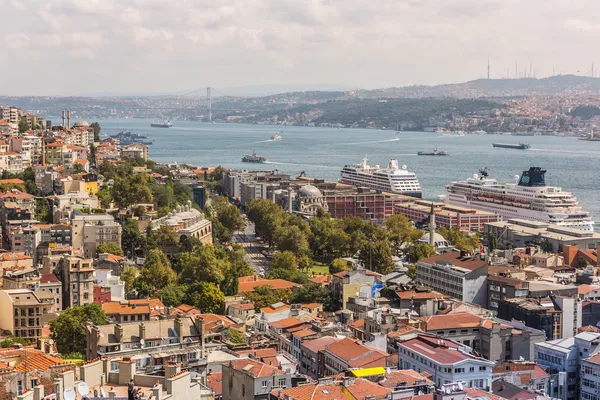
(558, 105)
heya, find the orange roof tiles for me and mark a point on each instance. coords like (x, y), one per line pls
(285, 323)
(271, 310)
(40, 362)
(456, 320)
(259, 353)
(304, 333)
(9, 256)
(249, 283)
(330, 391)
(585, 288)
(243, 306)
(16, 194)
(355, 354)
(362, 389)
(115, 307)
(14, 180)
(211, 321)
(311, 306)
(255, 368)
(320, 279)
(214, 381)
(411, 294)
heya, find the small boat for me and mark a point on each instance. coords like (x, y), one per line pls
(276, 137)
(395, 138)
(254, 158)
(434, 152)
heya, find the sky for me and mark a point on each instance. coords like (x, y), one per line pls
(72, 47)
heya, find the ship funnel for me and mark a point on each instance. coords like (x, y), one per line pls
(393, 164)
(517, 178)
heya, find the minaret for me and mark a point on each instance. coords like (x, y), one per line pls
(488, 69)
(432, 226)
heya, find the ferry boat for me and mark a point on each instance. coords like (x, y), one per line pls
(392, 179)
(164, 124)
(254, 158)
(520, 146)
(527, 198)
(434, 152)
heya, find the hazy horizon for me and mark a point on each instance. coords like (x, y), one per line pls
(75, 47)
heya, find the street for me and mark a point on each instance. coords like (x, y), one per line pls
(253, 248)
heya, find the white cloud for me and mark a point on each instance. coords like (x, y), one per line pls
(185, 44)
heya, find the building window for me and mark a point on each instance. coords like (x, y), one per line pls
(281, 382)
(265, 384)
(243, 390)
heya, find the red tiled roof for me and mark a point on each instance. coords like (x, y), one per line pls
(215, 382)
(354, 354)
(589, 328)
(243, 306)
(456, 320)
(16, 194)
(319, 344)
(271, 310)
(320, 279)
(311, 306)
(286, 323)
(362, 389)
(211, 321)
(248, 285)
(474, 392)
(411, 294)
(116, 308)
(454, 257)
(311, 391)
(595, 359)
(9, 256)
(40, 362)
(14, 180)
(445, 353)
(346, 273)
(585, 288)
(304, 333)
(256, 368)
(259, 353)
(48, 278)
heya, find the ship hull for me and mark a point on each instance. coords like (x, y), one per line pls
(161, 125)
(510, 146)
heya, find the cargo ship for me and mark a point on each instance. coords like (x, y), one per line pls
(520, 146)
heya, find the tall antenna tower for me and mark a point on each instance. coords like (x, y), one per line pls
(488, 68)
(208, 104)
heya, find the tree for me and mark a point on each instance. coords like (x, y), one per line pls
(131, 189)
(492, 242)
(267, 217)
(546, 246)
(203, 265)
(401, 231)
(68, 330)
(172, 295)
(412, 271)
(459, 239)
(314, 294)
(43, 212)
(291, 238)
(164, 238)
(338, 265)
(206, 296)
(227, 214)
(235, 336)
(419, 251)
(133, 241)
(128, 276)
(105, 196)
(328, 239)
(96, 127)
(155, 274)
(265, 295)
(582, 263)
(23, 125)
(111, 248)
(377, 256)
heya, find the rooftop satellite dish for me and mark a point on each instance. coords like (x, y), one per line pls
(142, 342)
(69, 394)
(51, 341)
(404, 167)
(83, 389)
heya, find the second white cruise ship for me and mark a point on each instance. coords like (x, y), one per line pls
(392, 179)
(527, 198)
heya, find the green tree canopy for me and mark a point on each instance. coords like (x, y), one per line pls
(235, 336)
(459, 239)
(314, 294)
(111, 248)
(285, 266)
(172, 295)
(338, 265)
(291, 238)
(96, 127)
(69, 328)
(265, 295)
(419, 251)
(377, 256)
(155, 274)
(401, 231)
(128, 276)
(203, 265)
(206, 296)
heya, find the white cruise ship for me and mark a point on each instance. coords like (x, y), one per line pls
(391, 179)
(527, 198)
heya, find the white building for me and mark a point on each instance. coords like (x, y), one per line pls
(186, 222)
(562, 360)
(90, 230)
(590, 378)
(447, 361)
(104, 278)
(455, 275)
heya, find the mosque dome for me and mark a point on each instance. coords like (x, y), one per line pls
(80, 123)
(309, 191)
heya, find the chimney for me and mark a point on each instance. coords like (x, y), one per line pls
(126, 370)
(142, 333)
(38, 392)
(178, 325)
(199, 324)
(569, 253)
(157, 391)
(68, 119)
(119, 333)
(172, 368)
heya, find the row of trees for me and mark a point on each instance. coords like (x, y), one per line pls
(326, 239)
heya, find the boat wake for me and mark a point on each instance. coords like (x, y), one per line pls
(372, 141)
(245, 144)
(591, 153)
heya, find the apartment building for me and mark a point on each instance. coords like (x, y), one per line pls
(347, 353)
(563, 359)
(457, 275)
(77, 277)
(311, 356)
(50, 283)
(20, 278)
(90, 230)
(23, 311)
(349, 283)
(249, 379)
(447, 361)
(589, 388)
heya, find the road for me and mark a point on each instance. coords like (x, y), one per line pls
(247, 239)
